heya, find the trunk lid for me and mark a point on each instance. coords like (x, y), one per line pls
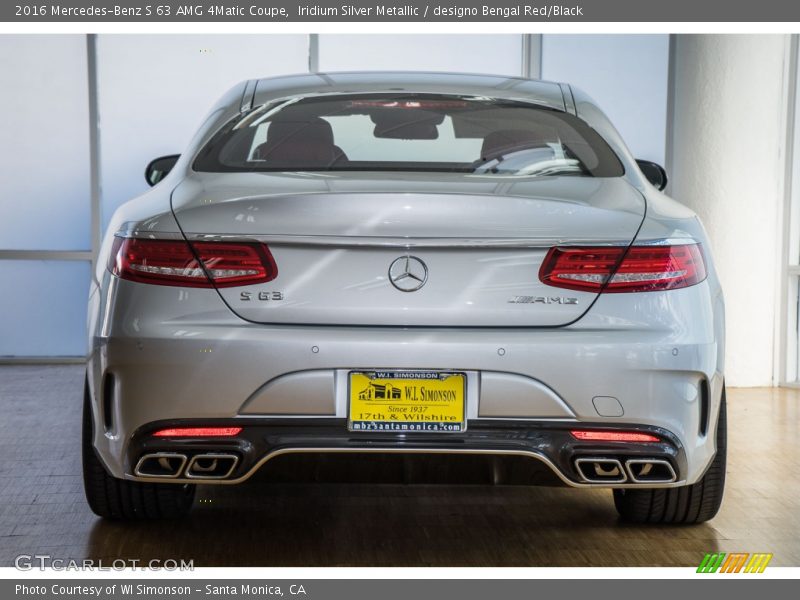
(475, 243)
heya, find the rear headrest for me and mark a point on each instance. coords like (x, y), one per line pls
(406, 125)
(509, 140)
(308, 131)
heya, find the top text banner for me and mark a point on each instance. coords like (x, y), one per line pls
(149, 11)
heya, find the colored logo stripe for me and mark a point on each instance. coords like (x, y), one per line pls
(711, 562)
(758, 562)
(735, 562)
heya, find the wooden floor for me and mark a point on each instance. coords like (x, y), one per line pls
(42, 509)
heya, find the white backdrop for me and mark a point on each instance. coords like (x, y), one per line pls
(625, 74)
(44, 192)
(729, 160)
(152, 93)
(44, 123)
(500, 54)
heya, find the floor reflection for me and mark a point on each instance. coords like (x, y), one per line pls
(269, 521)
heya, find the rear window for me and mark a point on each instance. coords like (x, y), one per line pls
(380, 132)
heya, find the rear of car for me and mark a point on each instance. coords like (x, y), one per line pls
(448, 265)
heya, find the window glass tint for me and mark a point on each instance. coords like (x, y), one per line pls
(410, 133)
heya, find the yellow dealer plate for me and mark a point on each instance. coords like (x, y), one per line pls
(407, 401)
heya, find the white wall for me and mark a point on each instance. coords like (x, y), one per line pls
(154, 90)
(625, 74)
(500, 54)
(727, 165)
(44, 192)
(44, 120)
(45, 315)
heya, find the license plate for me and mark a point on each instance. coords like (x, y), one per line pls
(407, 401)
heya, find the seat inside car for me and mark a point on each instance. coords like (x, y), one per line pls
(506, 141)
(300, 142)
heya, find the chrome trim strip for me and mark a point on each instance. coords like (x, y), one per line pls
(46, 255)
(596, 459)
(146, 234)
(569, 100)
(374, 242)
(214, 456)
(343, 241)
(138, 468)
(655, 461)
(322, 450)
(665, 242)
(247, 95)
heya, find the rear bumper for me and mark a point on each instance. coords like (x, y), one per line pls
(262, 440)
(203, 364)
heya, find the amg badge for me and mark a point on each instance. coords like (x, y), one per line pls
(542, 300)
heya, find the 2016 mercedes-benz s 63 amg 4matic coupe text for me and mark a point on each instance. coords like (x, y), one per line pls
(406, 263)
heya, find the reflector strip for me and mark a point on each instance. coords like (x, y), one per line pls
(198, 432)
(614, 436)
(598, 279)
(626, 277)
(195, 272)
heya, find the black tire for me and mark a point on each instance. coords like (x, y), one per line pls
(686, 505)
(118, 499)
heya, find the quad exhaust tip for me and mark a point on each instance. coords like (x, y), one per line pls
(601, 470)
(636, 470)
(168, 465)
(212, 466)
(650, 470)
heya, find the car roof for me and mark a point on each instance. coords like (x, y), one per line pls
(546, 93)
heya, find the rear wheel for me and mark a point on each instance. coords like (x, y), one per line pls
(684, 505)
(118, 499)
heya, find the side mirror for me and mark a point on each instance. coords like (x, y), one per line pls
(160, 168)
(654, 173)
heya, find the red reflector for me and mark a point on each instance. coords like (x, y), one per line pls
(619, 269)
(198, 432)
(614, 436)
(172, 262)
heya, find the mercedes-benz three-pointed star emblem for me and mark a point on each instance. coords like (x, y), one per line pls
(408, 273)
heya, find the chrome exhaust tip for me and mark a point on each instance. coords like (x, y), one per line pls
(212, 466)
(651, 470)
(601, 470)
(167, 465)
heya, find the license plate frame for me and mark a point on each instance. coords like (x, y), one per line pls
(449, 414)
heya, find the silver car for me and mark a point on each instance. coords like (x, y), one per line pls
(421, 264)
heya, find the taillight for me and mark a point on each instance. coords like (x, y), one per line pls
(621, 269)
(614, 436)
(172, 262)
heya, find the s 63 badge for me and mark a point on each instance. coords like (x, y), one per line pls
(260, 296)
